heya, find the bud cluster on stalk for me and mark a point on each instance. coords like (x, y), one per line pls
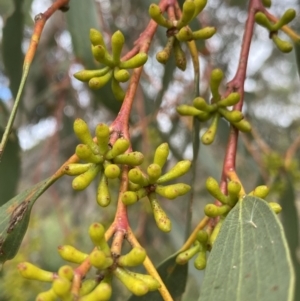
(101, 159)
(152, 182)
(114, 69)
(178, 30)
(216, 109)
(288, 16)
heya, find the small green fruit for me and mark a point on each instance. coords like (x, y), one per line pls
(129, 198)
(112, 171)
(202, 236)
(121, 75)
(200, 261)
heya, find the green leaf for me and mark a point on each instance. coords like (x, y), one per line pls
(174, 277)
(14, 219)
(250, 259)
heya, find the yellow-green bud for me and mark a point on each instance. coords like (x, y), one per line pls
(129, 197)
(136, 61)
(161, 218)
(200, 104)
(172, 191)
(86, 75)
(204, 116)
(214, 189)
(151, 282)
(66, 272)
(133, 284)
(161, 154)
(102, 134)
(112, 171)
(117, 43)
(99, 82)
(30, 271)
(188, 11)
(233, 189)
(133, 187)
(181, 168)
(262, 20)
(185, 34)
(142, 192)
(288, 16)
(283, 46)
(209, 136)
(102, 56)
(266, 3)
(96, 38)
(102, 292)
(231, 116)
(162, 56)
(154, 172)
(202, 236)
(203, 33)
(136, 176)
(214, 234)
(260, 191)
(230, 100)
(46, 296)
(97, 232)
(62, 287)
(275, 207)
(85, 153)
(186, 110)
(215, 81)
(200, 261)
(180, 58)
(117, 90)
(134, 258)
(69, 253)
(211, 210)
(133, 159)
(156, 14)
(185, 256)
(121, 75)
(199, 6)
(85, 179)
(119, 147)
(242, 125)
(87, 286)
(103, 195)
(99, 260)
(75, 169)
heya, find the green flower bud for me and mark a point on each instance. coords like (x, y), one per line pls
(275, 207)
(112, 171)
(66, 272)
(262, 20)
(200, 104)
(46, 296)
(283, 46)
(74, 169)
(188, 11)
(180, 58)
(203, 33)
(215, 81)
(260, 191)
(97, 235)
(154, 172)
(117, 43)
(185, 34)
(136, 61)
(82, 132)
(209, 136)
(62, 288)
(181, 168)
(142, 192)
(156, 14)
(102, 292)
(199, 6)
(121, 75)
(102, 56)
(133, 187)
(151, 282)
(185, 256)
(87, 286)
(243, 125)
(161, 154)
(266, 3)
(120, 146)
(186, 110)
(102, 134)
(103, 195)
(69, 253)
(161, 218)
(134, 258)
(200, 261)
(233, 189)
(202, 236)
(204, 116)
(96, 38)
(231, 100)
(136, 176)
(132, 159)
(30, 271)
(172, 191)
(214, 234)
(99, 260)
(84, 152)
(117, 90)
(86, 75)
(214, 189)
(134, 285)
(162, 56)
(288, 16)
(231, 116)
(211, 210)
(129, 198)
(85, 179)
(99, 82)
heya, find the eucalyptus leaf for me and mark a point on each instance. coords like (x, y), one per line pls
(250, 258)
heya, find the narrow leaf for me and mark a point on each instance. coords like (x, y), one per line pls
(250, 259)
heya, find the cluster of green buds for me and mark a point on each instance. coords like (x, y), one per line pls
(216, 109)
(108, 265)
(273, 28)
(150, 184)
(100, 158)
(178, 30)
(114, 69)
(199, 247)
